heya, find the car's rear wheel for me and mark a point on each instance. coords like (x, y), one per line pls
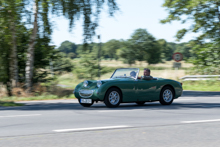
(166, 95)
(140, 103)
(84, 104)
(113, 98)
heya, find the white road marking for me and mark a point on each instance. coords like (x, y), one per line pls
(185, 99)
(120, 110)
(93, 128)
(114, 111)
(200, 121)
(20, 115)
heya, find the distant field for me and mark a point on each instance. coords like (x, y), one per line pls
(163, 70)
(212, 85)
(143, 64)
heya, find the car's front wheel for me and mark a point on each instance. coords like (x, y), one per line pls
(166, 96)
(113, 98)
(84, 104)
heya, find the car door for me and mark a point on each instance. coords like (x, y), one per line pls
(146, 90)
(128, 88)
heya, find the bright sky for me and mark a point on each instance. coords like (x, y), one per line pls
(133, 14)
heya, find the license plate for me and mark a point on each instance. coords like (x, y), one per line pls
(88, 101)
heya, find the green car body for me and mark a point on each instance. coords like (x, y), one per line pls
(132, 89)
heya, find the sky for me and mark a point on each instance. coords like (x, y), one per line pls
(133, 14)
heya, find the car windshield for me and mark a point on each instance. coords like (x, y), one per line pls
(125, 73)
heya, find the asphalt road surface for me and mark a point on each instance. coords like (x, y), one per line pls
(192, 120)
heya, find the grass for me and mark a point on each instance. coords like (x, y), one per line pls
(32, 98)
(9, 104)
(9, 101)
(210, 85)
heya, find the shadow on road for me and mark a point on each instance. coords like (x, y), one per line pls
(101, 106)
(200, 94)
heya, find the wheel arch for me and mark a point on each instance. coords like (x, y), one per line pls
(169, 85)
(118, 89)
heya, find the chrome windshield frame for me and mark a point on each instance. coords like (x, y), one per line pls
(128, 68)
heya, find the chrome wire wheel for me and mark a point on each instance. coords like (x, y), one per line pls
(114, 97)
(167, 95)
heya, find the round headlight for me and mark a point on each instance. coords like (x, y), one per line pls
(85, 83)
(99, 83)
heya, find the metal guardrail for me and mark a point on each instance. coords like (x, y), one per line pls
(200, 77)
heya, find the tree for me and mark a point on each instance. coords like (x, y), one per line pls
(71, 10)
(4, 55)
(205, 18)
(206, 58)
(127, 53)
(110, 48)
(68, 47)
(185, 49)
(10, 11)
(166, 50)
(145, 47)
(88, 66)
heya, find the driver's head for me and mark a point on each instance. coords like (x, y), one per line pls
(133, 74)
(146, 72)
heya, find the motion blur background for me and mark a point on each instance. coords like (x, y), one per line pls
(48, 46)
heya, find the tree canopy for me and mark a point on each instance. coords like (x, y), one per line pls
(204, 16)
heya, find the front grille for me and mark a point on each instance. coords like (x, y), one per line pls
(85, 93)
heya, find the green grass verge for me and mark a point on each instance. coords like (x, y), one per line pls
(34, 98)
(212, 85)
(9, 104)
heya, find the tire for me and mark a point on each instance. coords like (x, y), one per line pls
(166, 95)
(140, 103)
(85, 105)
(113, 98)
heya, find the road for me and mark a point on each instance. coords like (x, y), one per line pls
(192, 120)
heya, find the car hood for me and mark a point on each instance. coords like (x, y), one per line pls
(93, 83)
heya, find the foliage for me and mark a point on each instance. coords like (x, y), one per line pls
(32, 98)
(127, 53)
(62, 64)
(166, 50)
(68, 48)
(203, 14)
(145, 47)
(44, 56)
(205, 18)
(89, 9)
(206, 58)
(4, 55)
(111, 47)
(88, 66)
(9, 104)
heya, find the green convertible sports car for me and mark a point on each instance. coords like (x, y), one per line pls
(124, 86)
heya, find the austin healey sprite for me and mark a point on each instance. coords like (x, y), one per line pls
(125, 87)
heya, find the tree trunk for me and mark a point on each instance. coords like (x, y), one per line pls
(218, 13)
(30, 52)
(13, 63)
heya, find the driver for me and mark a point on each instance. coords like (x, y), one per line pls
(133, 74)
(147, 75)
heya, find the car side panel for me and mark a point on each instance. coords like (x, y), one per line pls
(146, 90)
(176, 86)
(127, 88)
